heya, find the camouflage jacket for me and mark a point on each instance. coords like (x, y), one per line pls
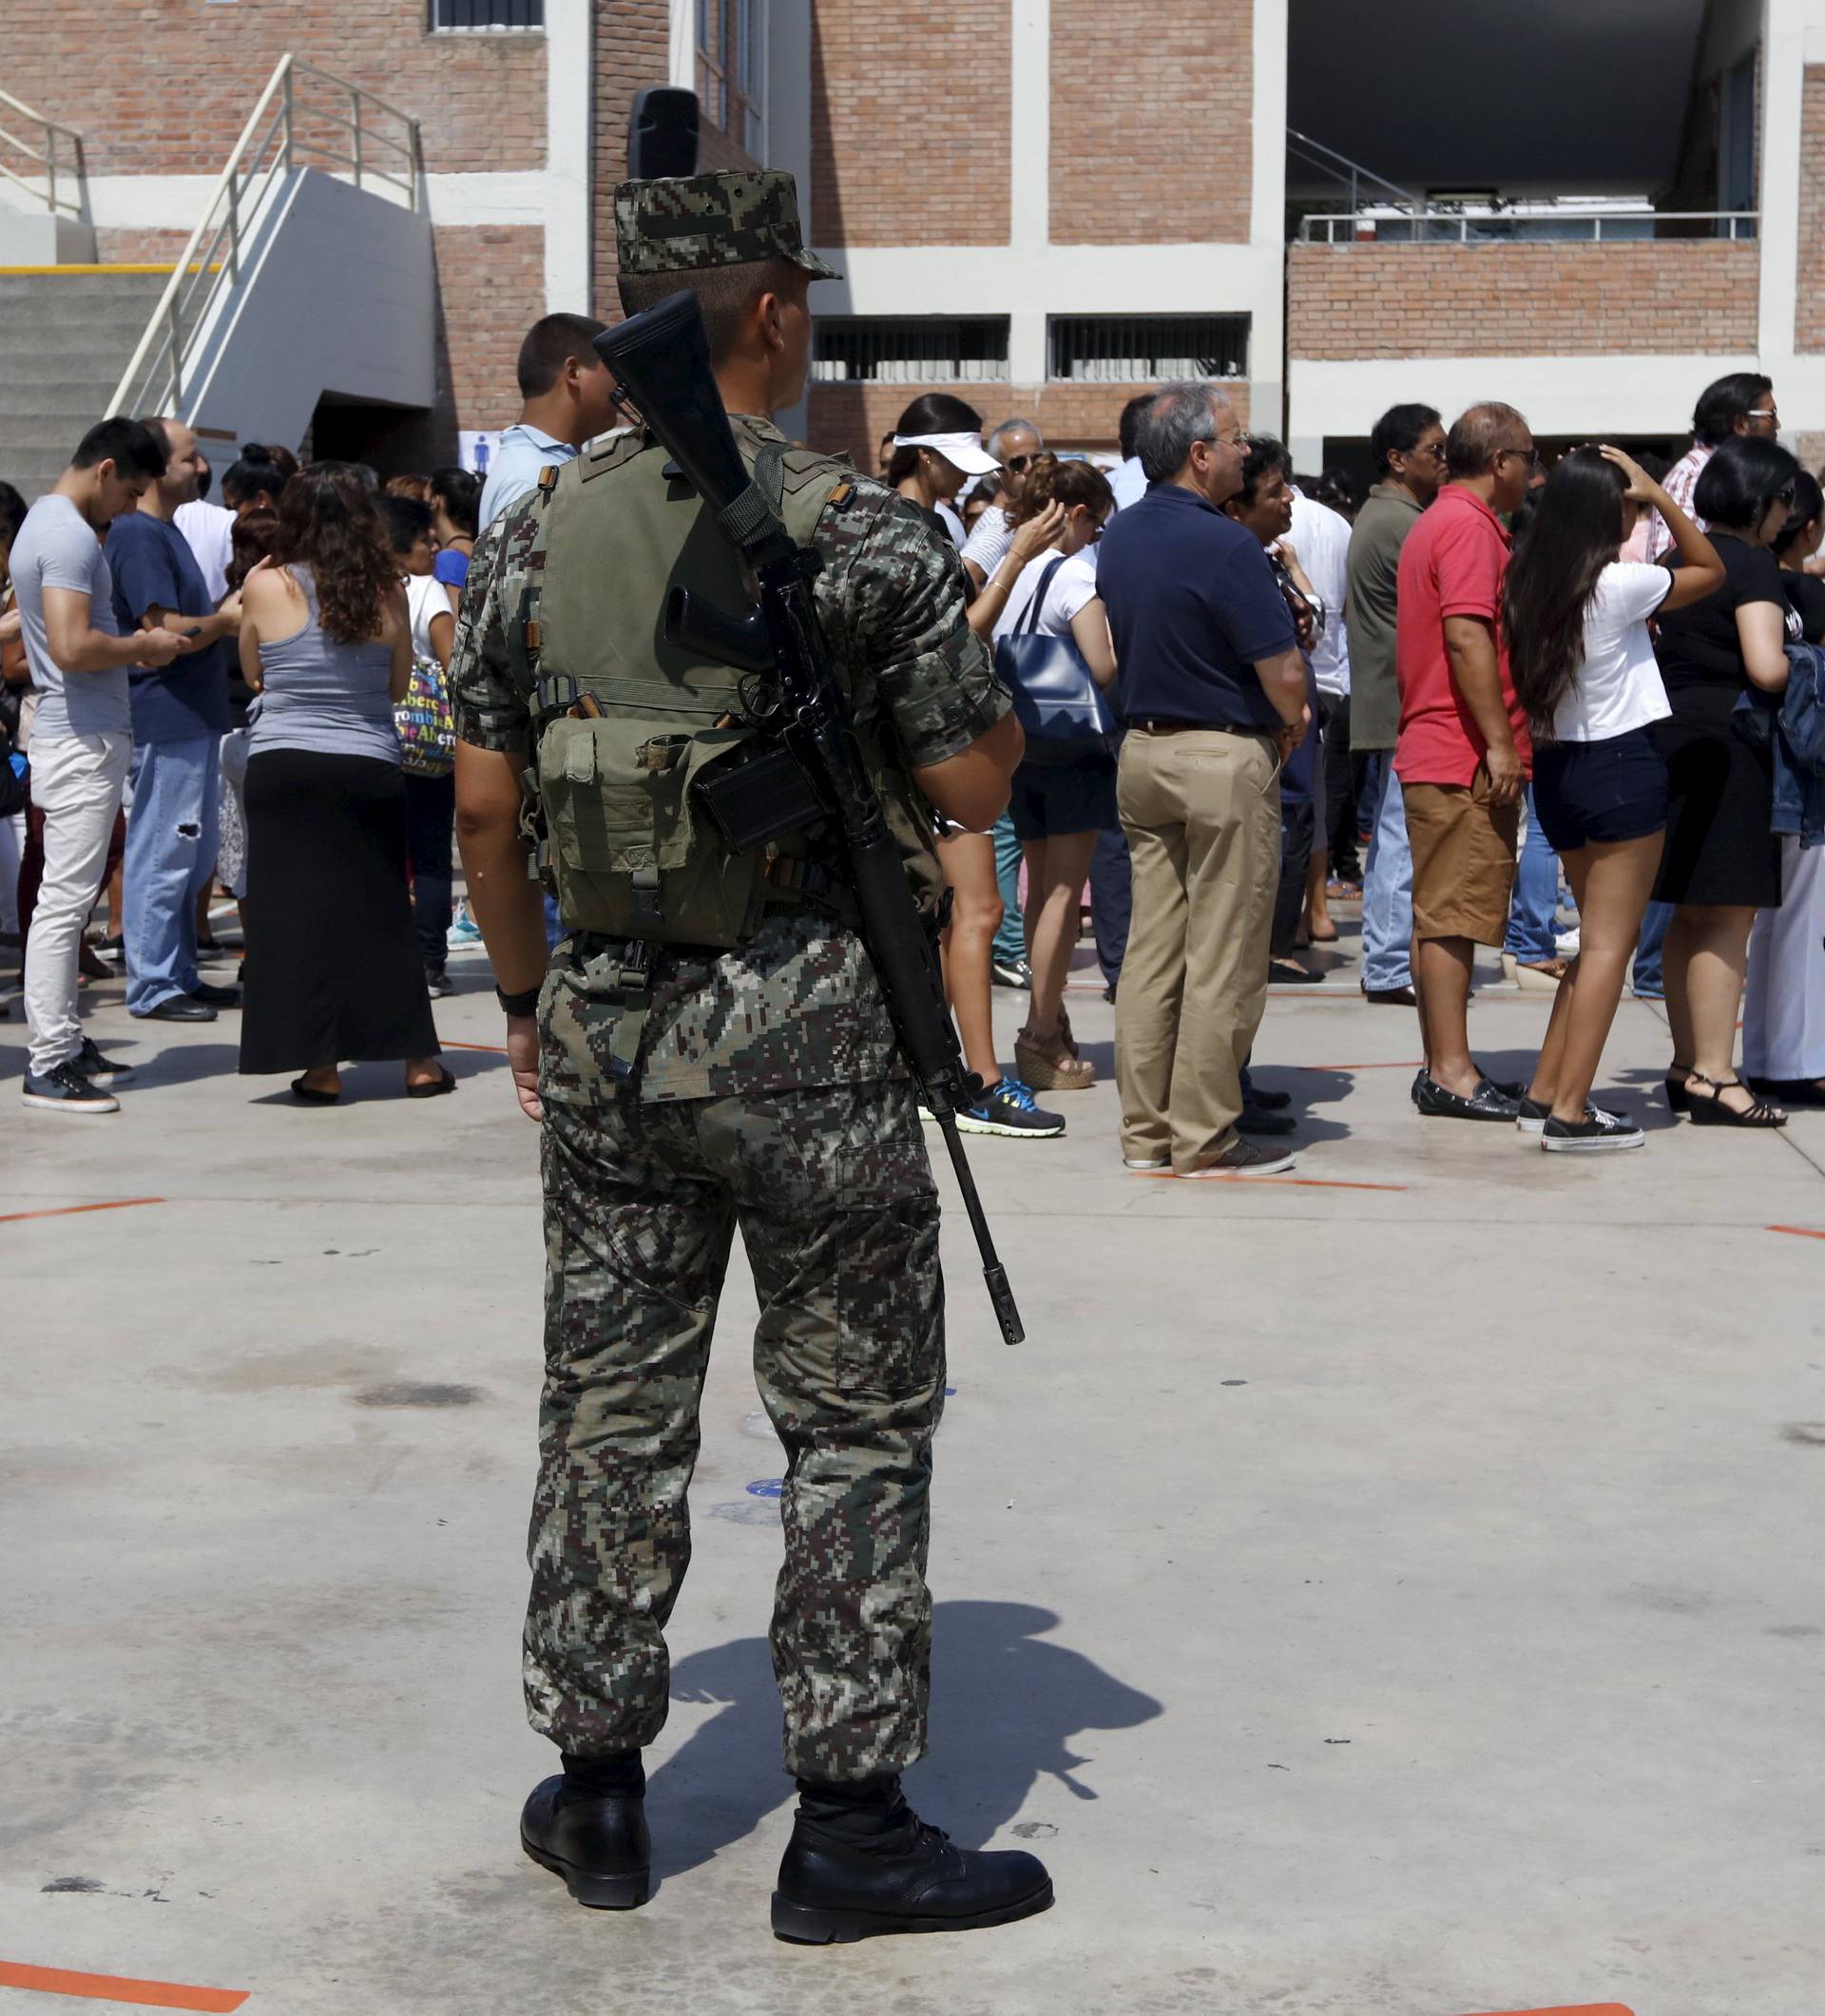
(799, 1005)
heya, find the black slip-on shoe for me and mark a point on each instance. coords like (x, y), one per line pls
(178, 1008)
(218, 997)
(597, 1841)
(1489, 1102)
(1255, 1120)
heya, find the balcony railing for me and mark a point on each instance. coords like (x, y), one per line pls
(45, 159)
(1538, 223)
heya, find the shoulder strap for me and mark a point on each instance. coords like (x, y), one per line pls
(1028, 623)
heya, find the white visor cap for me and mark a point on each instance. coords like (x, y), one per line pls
(965, 450)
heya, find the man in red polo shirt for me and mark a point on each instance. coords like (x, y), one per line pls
(1463, 755)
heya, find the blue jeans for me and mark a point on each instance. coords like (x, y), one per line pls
(1647, 951)
(1532, 929)
(1387, 891)
(171, 841)
(1010, 940)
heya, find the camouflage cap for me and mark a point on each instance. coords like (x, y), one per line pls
(734, 217)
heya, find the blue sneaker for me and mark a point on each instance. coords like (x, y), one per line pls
(463, 933)
(1006, 1108)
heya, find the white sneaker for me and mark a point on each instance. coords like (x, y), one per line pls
(1146, 1164)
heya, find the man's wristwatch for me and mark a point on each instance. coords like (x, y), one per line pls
(525, 1004)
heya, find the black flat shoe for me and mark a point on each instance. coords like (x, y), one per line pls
(1255, 1121)
(219, 997)
(433, 1089)
(1783, 1092)
(1289, 972)
(597, 1841)
(1489, 1102)
(1390, 996)
(180, 1008)
(1265, 1101)
(312, 1096)
(1708, 1110)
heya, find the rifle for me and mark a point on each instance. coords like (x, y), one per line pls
(661, 359)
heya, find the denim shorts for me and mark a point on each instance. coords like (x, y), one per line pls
(1608, 791)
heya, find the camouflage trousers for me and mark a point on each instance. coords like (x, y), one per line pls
(832, 1190)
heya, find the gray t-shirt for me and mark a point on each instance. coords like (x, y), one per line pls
(57, 549)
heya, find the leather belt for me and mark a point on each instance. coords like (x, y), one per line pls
(1148, 726)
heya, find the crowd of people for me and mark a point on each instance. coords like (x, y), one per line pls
(1481, 689)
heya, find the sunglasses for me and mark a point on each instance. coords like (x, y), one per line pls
(1018, 463)
(1529, 455)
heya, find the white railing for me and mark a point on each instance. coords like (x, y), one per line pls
(48, 161)
(296, 124)
(1536, 225)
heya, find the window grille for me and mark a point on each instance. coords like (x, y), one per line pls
(909, 350)
(731, 66)
(470, 14)
(1125, 348)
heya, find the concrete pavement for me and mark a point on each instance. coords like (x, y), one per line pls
(1393, 1592)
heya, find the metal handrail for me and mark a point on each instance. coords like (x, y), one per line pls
(46, 159)
(1350, 173)
(239, 204)
(1424, 224)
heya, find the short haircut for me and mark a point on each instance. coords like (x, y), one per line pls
(1480, 433)
(459, 491)
(1809, 503)
(1127, 429)
(1398, 432)
(1726, 401)
(1742, 478)
(723, 293)
(1178, 415)
(1016, 426)
(551, 342)
(130, 445)
(933, 413)
(408, 520)
(1264, 456)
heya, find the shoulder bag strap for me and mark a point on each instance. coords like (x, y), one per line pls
(1028, 623)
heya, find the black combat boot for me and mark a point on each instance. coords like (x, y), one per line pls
(590, 1827)
(861, 1861)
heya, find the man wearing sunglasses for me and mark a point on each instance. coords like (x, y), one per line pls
(1013, 444)
(1743, 402)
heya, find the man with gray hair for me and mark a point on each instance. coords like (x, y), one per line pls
(1013, 444)
(1211, 686)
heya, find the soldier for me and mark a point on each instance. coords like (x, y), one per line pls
(700, 1061)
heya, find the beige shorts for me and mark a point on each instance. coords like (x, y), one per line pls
(1463, 852)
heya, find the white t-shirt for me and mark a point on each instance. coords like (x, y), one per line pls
(1072, 586)
(1617, 686)
(953, 523)
(209, 532)
(988, 540)
(426, 597)
(1321, 538)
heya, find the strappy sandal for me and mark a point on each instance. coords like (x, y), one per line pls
(1677, 1099)
(1710, 1112)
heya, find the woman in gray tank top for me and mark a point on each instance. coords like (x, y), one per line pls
(334, 975)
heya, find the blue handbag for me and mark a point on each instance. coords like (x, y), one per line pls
(1057, 701)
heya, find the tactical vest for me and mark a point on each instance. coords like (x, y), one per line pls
(628, 722)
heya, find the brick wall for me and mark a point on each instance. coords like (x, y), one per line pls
(163, 86)
(909, 123)
(632, 50)
(140, 249)
(491, 289)
(1808, 320)
(852, 419)
(1373, 300)
(1152, 121)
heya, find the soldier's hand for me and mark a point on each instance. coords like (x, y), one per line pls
(523, 1061)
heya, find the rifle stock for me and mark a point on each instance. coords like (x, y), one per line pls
(660, 360)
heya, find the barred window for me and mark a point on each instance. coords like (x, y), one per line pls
(1122, 349)
(731, 65)
(909, 349)
(471, 15)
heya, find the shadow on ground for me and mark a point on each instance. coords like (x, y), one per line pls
(1006, 1705)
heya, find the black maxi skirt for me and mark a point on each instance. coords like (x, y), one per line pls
(334, 972)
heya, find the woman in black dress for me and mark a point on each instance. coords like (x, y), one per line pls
(1722, 862)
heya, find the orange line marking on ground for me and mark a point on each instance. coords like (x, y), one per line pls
(1799, 1232)
(118, 1987)
(1583, 2008)
(123, 1203)
(1304, 1183)
(495, 1048)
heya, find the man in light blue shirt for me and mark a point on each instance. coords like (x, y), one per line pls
(1128, 480)
(567, 396)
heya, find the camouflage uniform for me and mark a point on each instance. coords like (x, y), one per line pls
(766, 1095)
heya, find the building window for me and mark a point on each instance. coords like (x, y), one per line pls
(468, 15)
(731, 69)
(1127, 349)
(909, 350)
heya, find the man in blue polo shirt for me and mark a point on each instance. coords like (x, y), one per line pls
(1213, 692)
(568, 398)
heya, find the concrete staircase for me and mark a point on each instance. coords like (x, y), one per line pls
(66, 336)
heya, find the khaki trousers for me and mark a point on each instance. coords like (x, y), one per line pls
(1202, 811)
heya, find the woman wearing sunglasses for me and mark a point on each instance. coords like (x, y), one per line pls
(1722, 862)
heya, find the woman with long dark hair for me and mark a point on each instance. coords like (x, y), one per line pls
(937, 448)
(326, 642)
(1722, 860)
(1575, 618)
